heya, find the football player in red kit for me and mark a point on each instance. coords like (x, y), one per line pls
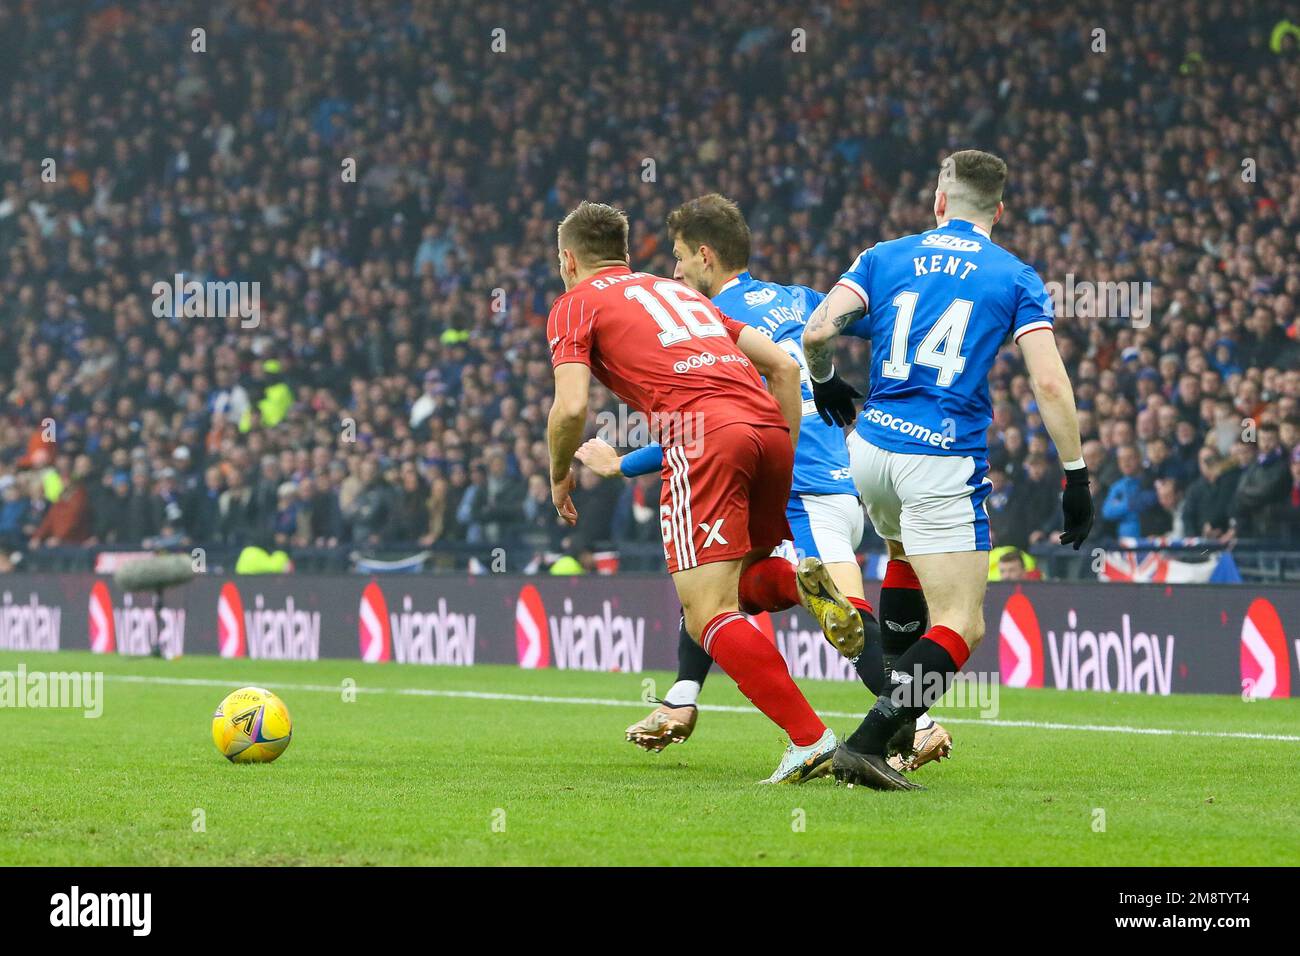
(666, 350)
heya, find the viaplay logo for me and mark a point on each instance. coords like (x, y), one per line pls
(372, 624)
(413, 633)
(1020, 644)
(232, 639)
(1107, 657)
(29, 625)
(532, 641)
(1265, 660)
(103, 639)
(266, 632)
(572, 640)
(132, 629)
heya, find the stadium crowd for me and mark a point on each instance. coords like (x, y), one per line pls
(389, 174)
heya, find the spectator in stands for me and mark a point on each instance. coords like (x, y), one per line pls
(1007, 524)
(373, 506)
(14, 513)
(541, 530)
(1008, 456)
(108, 507)
(1040, 499)
(379, 298)
(289, 510)
(409, 519)
(67, 521)
(1261, 492)
(1290, 518)
(1208, 503)
(1187, 446)
(171, 531)
(265, 501)
(595, 500)
(1011, 567)
(1166, 518)
(1160, 463)
(143, 508)
(327, 525)
(475, 488)
(497, 511)
(203, 507)
(236, 524)
(1129, 498)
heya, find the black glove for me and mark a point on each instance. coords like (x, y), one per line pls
(1076, 503)
(835, 399)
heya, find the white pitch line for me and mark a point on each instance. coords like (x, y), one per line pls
(721, 708)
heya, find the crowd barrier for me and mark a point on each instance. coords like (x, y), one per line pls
(1154, 639)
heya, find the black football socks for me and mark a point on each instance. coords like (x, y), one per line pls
(904, 616)
(920, 676)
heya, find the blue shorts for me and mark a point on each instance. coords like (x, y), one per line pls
(828, 527)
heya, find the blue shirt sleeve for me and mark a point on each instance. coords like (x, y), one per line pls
(1033, 307)
(643, 461)
(858, 280)
(811, 299)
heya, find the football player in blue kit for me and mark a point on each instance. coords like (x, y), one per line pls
(711, 242)
(937, 307)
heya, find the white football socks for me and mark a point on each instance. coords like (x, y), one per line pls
(684, 693)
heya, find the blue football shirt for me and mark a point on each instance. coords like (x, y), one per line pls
(939, 306)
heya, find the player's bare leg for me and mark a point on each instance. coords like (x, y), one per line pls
(954, 585)
(711, 606)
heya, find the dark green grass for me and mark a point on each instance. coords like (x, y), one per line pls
(399, 778)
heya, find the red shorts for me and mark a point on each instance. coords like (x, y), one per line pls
(728, 498)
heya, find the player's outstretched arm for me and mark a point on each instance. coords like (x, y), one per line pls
(564, 432)
(1055, 398)
(781, 371)
(600, 456)
(835, 398)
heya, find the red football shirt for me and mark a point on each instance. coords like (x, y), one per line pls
(663, 348)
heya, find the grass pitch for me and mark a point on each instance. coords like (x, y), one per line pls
(432, 766)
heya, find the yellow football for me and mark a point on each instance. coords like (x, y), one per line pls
(251, 725)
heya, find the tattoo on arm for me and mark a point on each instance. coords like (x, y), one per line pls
(818, 353)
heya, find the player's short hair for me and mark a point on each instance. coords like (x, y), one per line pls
(595, 232)
(714, 221)
(973, 180)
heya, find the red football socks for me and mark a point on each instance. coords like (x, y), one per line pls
(760, 672)
(900, 574)
(768, 585)
(951, 642)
